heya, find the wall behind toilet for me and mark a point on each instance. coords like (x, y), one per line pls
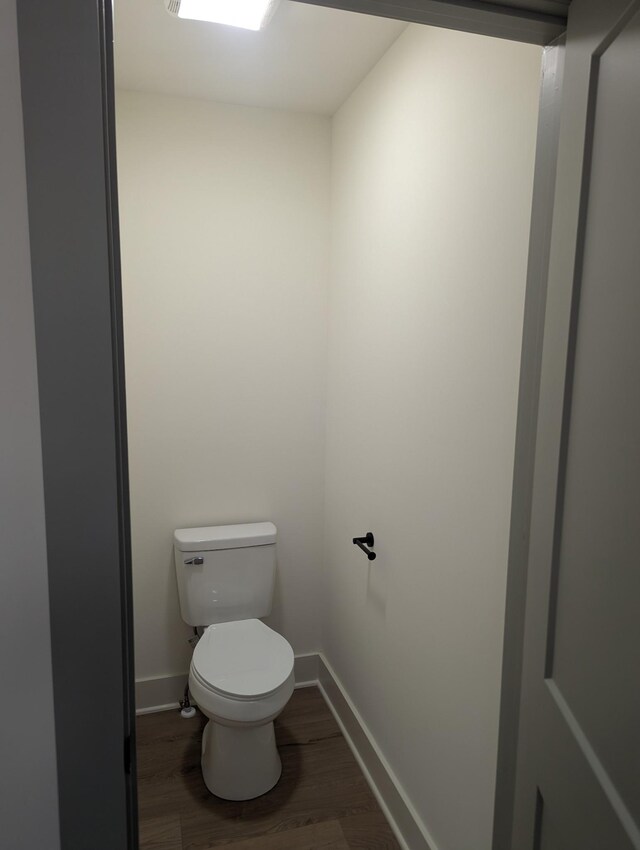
(432, 180)
(224, 227)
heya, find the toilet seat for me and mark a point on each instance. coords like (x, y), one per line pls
(242, 660)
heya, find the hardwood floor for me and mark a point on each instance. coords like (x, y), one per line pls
(322, 801)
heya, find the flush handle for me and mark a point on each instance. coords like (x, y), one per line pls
(197, 561)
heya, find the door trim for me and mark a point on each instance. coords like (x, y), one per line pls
(105, 12)
(473, 16)
(66, 73)
(526, 429)
(66, 66)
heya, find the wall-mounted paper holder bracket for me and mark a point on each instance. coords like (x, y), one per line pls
(364, 542)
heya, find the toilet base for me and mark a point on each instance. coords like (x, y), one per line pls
(240, 763)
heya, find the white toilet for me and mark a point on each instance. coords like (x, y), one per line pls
(241, 674)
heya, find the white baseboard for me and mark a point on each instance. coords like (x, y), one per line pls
(403, 818)
(159, 694)
(305, 670)
(163, 693)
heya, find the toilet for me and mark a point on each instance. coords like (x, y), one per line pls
(241, 674)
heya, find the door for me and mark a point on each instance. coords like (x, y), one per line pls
(578, 774)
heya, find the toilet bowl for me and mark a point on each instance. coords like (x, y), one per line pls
(241, 678)
(241, 675)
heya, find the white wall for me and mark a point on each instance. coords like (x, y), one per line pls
(432, 179)
(28, 779)
(224, 225)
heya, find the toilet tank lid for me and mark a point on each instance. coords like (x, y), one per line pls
(212, 537)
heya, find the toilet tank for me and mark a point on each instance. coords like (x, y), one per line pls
(225, 572)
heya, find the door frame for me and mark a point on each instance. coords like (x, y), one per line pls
(544, 184)
(66, 66)
(67, 83)
(481, 17)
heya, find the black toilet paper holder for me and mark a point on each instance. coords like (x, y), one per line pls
(365, 541)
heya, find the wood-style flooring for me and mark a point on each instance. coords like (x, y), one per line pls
(322, 801)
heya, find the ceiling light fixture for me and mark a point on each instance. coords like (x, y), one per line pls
(248, 14)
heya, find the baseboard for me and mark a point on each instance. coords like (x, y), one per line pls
(403, 818)
(159, 694)
(164, 692)
(305, 670)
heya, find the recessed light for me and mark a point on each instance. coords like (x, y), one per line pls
(248, 14)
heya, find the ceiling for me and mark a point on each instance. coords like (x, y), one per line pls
(308, 58)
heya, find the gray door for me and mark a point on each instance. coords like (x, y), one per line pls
(578, 774)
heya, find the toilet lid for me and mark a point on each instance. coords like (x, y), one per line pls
(243, 659)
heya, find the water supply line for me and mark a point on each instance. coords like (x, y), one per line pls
(186, 709)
